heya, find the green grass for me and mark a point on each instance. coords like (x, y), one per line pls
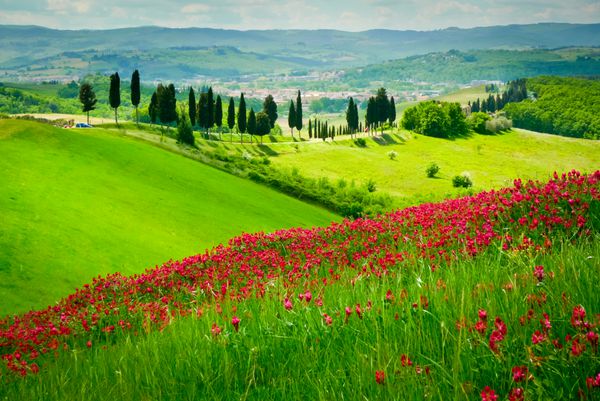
(78, 203)
(493, 161)
(293, 355)
(463, 96)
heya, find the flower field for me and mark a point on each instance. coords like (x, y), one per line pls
(491, 297)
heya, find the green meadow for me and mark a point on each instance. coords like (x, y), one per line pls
(78, 203)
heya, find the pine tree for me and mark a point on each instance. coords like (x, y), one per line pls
(251, 124)
(231, 117)
(241, 118)
(292, 117)
(153, 108)
(135, 93)
(350, 113)
(371, 117)
(382, 107)
(263, 125)
(392, 115)
(114, 94)
(219, 114)
(299, 113)
(192, 107)
(88, 100)
(270, 108)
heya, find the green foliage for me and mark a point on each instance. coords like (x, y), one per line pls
(166, 103)
(360, 142)
(299, 122)
(498, 124)
(185, 133)
(462, 181)
(292, 117)
(270, 109)
(192, 106)
(564, 106)
(241, 117)
(114, 94)
(392, 154)
(432, 170)
(70, 91)
(327, 105)
(441, 120)
(477, 121)
(252, 122)
(87, 97)
(231, 114)
(153, 108)
(263, 124)
(219, 112)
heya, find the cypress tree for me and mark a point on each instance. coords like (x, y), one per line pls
(241, 117)
(309, 129)
(299, 113)
(219, 114)
(371, 117)
(210, 110)
(231, 117)
(88, 100)
(382, 107)
(203, 112)
(270, 108)
(171, 109)
(292, 117)
(263, 125)
(251, 124)
(192, 107)
(114, 94)
(350, 113)
(135, 93)
(153, 108)
(392, 115)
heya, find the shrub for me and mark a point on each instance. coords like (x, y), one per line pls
(185, 133)
(392, 154)
(463, 180)
(360, 142)
(371, 186)
(432, 170)
(477, 122)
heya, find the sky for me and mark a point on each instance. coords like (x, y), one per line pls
(348, 15)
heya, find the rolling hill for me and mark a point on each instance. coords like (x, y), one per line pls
(78, 203)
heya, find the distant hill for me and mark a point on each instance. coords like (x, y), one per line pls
(176, 54)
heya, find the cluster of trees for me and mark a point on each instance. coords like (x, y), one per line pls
(379, 110)
(322, 130)
(295, 114)
(352, 117)
(516, 91)
(563, 106)
(438, 119)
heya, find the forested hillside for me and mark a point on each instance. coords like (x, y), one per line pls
(563, 106)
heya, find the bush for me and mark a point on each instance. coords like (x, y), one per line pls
(360, 142)
(463, 180)
(477, 122)
(185, 134)
(392, 154)
(432, 170)
(371, 186)
(498, 124)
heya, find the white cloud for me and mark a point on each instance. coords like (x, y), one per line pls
(69, 6)
(196, 8)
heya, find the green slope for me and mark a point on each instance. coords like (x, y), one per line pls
(77, 203)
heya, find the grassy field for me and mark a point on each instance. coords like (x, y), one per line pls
(463, 96)
(78, 203)
(492, 161)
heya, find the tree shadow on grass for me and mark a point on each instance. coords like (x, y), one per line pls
(267, 150)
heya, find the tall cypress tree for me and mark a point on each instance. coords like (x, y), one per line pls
(350, 114)
(241, 118)
(292, 117)
(382, 107)
(192, 106)
(135, 93)
(309, 128)
(88, 100)
(251, 124)
(231, 117)
(211, 110)
(153, 108)
(299, 113)
(270, 108)
(219, 114)
(203, 112)
(371, 117)
(392, 115)
(114, 94)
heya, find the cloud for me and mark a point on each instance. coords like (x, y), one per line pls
(69, 6)
(196, 8)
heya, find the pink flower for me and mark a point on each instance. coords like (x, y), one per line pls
(577, 316)
(287, 304)
(359, 311)
(538, 272)
(488, 394)
(235, 321)
(537, 337)
(516, 394)
(519, 373)
(89, 344)
(577, 348)
(592, 338)
(215, 330)
(307, 296)
(482, 314)
(328, 319)
(379, 377)
(481, 326)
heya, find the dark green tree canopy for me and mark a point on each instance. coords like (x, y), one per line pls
(135, 88)
(219, 112)
(392, 114)
(292, 116)
(211, 109)
(382, 106)
(153, 108)
(241, 120)
(231, 114)
(252, 122)
(114, 94)
(203, 111)
(192, 106)
(167, 104)
(299, 111)
(87, 97)
(270, 108)
(263, 124)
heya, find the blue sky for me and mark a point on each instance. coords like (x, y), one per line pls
(351, 15)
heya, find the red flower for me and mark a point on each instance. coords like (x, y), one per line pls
(577, 316)
(500, 326)
(215, 330)
(287, 304)
(405, 360)
(519, 373)
(481, 326)
(592, 338)
(235, 321)
(482, 314)
(577, 348)
(89, 344)
(488, 394)
(537, 337)
(359, 311)
(328, 319)
(538, 272)
(379, 376)
(516, 394)
(307, 296)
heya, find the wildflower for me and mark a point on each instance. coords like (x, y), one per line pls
(359, 311)
(537, 337)
(235, 321)
(287, 304)
(307, 296)
(538, 272)
(328, 319)
(516, 394)
(578, 316)
(592, 338)
(215, 330)
(405, 360)
(546, 325)
(482, 314)
(379, 376)
(89, 344)
(500, 326)
(519, 373)
(348, 312)
(577, 348)
(481, 326)
(488, 394)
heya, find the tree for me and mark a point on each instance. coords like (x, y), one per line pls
(457, 124)
(219, 114)
(292, 117)
(114, 93)
(382, 107)
(153, 108)
(352, 116)
(231, 116)
(192, 106)
(371, 117)
(392, 115)
(87, 97)
(167, 104)
(270, 108)
(210, 111)
(135, 93)
(263, 124)
(299, 113)
(185, 133)
(203, 112)
(241, 117)
(251, 124)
